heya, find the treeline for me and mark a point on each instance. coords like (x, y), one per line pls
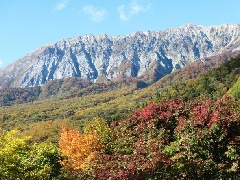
(10, 96)
(214, 83)
(193, 70)
(64, 89)
(77, 87)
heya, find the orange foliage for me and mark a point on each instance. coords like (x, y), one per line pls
(78, 149)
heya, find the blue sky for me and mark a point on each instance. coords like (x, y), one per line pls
(26, 25)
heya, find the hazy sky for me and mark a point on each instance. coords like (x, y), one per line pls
(26, 25)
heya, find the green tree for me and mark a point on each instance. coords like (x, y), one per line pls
(21, 160)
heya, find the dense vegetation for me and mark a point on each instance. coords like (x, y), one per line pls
(168, 140)
(188, 131)
(234, 91)
(215, 83)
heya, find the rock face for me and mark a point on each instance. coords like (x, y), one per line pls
(138, 54)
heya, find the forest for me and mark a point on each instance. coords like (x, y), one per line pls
(188, 128)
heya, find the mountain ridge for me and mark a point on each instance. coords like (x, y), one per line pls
(77, 87)
(92, 57)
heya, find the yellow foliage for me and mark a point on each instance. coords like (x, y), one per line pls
(78, 149)
(9, 143)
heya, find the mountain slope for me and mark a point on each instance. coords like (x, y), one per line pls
(153, 54)
(76, 87)
(115, 104)
(235, 90)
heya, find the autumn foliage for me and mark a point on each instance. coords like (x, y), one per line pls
(77, 149)
(166, 140)
(19, 159)
(194, 136)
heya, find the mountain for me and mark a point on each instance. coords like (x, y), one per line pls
(76, 87)
(193, 70)
(42, 118)
(189, 130)
(102, 57)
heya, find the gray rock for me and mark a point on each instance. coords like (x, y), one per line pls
(134, 55)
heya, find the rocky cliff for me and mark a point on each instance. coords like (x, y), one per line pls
(138, 54)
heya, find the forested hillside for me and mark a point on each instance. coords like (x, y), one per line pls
(234, 91)
(186, 131)
(77, 87)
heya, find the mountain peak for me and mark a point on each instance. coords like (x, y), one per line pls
(189, 25)
(151, 54)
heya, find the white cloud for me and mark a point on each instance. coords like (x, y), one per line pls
(97, 14)
(61, 5)
(134, 8)
(123, 15)
(1, 63)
